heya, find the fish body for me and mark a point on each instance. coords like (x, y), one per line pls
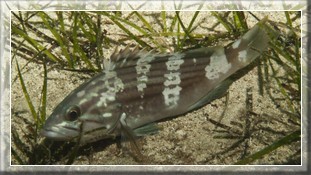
(138, 87)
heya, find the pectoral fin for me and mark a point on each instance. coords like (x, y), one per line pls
(129, 139)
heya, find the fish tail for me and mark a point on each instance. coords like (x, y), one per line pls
(252, 43)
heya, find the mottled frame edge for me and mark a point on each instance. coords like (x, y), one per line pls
(5, 119)
(306, 41)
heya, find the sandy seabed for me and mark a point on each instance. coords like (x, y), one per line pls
(189, 139)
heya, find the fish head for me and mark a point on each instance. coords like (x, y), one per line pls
(85, 115)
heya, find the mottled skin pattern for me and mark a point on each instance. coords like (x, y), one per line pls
(140, 87)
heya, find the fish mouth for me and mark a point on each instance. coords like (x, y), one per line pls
(59, 133)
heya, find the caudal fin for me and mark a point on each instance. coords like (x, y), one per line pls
(251, 45)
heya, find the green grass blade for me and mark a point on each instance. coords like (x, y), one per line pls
(289, 20)
(17, 157)
(60, 18)
(58, 38)
(145, 22)
(171, 29)
(281, 51)
(26, 95)
(239, 21)
(43, 100)
(178, 38)
(163, 17)
(76, 45)
(99, 42)
(293, 137)
(223, 21)
(194, 18)
(86, 32)
(282, 90)
(183, 26)
(35, 44)
(151, 33)
(92, 28)
(116, 20)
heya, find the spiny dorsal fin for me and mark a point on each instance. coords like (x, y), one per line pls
(125, 57)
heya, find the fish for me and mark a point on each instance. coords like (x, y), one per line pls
(138, 88)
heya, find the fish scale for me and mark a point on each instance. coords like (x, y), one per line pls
(138, 87)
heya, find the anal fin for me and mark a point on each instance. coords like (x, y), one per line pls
(148, 129)
(214, 94)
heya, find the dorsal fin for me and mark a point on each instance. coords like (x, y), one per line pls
(125, 57)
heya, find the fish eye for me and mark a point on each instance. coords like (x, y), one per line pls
(73, 113)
